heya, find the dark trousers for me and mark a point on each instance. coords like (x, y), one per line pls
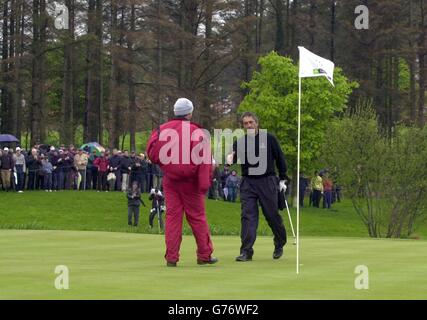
(95, 175)
(148, 181)
(263, 190)
(47, 183)
(232, 194)
(39, 181)
(301, 198)
(213, 191)
(61, 179)
(156, 214)
(31, 180)
(316, 198)
(55, 180)
(67, 180)
(88, 178)
(102, 181)
(328, 199)
(133, 211)
(118, 184)
(21, 180)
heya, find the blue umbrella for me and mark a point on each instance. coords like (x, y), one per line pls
(8, 138)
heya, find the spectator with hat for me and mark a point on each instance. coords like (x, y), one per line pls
(6, 168)
(20, 169)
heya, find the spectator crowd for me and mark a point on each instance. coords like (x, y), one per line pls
(67, 168)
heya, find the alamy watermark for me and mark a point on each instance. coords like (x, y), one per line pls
(61, 16)
(362, 20)
(62, 281)
(185, 147)
(362, 280)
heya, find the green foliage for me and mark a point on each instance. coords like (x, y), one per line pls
(406, 186)
(273, 96)
(404, 76)
(385, 179)
(54, 85)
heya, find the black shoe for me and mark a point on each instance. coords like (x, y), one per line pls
(171, 264)
(278, 252)
(243, 258)
(212, 260)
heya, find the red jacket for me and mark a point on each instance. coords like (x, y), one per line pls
(327, 185)
(183, 167)
(101, 163)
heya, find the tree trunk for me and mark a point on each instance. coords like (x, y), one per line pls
(113, 139)
(12, 69)
(411, 60)
(159, 64)
(332, 39)
(38, 122)
(18, 68)
(293, 29)
(279, 45)
(312, 25)
(260, 21)
(93, 109)
(205, 113)
(131, 83)
(421, 59)
(5, 108)
(67, 121)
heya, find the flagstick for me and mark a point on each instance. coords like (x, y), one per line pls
(298, 166)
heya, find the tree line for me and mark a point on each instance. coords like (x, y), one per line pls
(118, 65)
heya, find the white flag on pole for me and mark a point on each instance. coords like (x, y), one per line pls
(311, 65)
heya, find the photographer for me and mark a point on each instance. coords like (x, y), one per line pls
(157, 207)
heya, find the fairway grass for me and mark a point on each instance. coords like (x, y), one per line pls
(114, 265)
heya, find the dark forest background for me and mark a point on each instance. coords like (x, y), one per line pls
(119, 66)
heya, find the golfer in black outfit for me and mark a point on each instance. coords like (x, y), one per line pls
(262, 186)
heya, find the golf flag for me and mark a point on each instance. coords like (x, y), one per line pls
(311, 65)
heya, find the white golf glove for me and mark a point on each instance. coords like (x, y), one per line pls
(282, 186)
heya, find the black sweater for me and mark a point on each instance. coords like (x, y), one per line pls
(271, 148)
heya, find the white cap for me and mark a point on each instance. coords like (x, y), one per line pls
(183, 107)
(6, 149)
(52, 148)
(18, 149)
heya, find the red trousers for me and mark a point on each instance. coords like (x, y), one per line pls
(183, 196)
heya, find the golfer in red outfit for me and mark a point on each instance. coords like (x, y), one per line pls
(182, 150)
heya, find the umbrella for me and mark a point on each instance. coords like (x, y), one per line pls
(8, 138)
(89, 147)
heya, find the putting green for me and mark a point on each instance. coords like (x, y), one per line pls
(106, 265)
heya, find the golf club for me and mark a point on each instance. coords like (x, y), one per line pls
(290, 221)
